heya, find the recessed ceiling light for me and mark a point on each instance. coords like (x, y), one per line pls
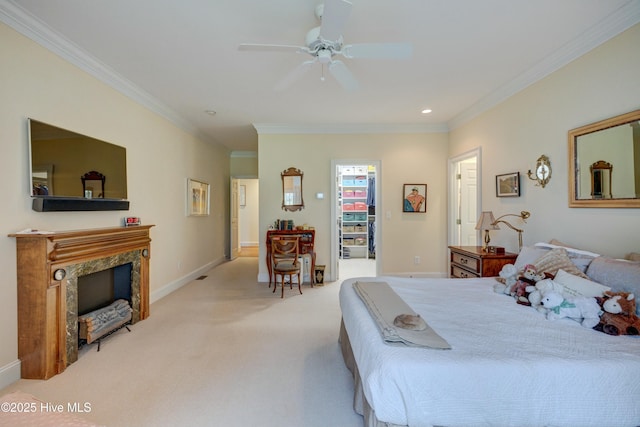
(210, 112)
(426, 111)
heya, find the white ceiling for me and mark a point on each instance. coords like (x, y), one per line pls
(181, 58)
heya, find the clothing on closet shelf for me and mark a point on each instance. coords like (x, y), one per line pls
(372, 235)
(371, 191)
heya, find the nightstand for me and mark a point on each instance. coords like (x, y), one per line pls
(472, 261)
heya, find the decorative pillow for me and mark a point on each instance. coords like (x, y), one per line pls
(557, 259)
(528, 255)
(579, 257)
(577, 286)
(569, 249)
(559, 243)
(621, 275)
(633, 256)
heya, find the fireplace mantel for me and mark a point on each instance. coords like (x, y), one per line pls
(43, 307)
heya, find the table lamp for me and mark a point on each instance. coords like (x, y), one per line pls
(487, 222)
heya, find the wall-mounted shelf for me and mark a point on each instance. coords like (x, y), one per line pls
(68, 204)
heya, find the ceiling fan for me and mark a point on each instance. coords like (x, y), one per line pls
(325, 42)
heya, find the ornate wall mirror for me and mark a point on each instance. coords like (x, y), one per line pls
(612, 142)
(93, 184)
(292, 190)
(601, 180)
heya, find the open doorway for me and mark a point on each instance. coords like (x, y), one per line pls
(244, 221)
(464, 198)
(355, 225)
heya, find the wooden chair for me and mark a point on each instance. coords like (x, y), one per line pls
(285, 251)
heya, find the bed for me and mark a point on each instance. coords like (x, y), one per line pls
(508, 365)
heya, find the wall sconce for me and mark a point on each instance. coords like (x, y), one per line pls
(523, 215)
(486, 222)
(543, 171)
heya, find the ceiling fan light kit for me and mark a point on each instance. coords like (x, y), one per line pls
(323, 43)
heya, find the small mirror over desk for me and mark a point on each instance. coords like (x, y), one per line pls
(595, 152)
(292, 190)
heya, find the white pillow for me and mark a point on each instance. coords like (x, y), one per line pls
(528, 255)
(580, 258)
(577, 286)
(571, 251)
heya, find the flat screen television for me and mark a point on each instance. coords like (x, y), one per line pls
(74, 172)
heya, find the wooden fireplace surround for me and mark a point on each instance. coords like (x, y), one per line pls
(42, 300)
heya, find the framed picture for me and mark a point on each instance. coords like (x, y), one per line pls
(242, 195)
(197, 198)
(415, 198)
(508, 185)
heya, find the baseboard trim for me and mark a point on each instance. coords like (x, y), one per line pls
(9, 374)
(177, 284)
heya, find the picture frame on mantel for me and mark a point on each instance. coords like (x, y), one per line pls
(508, 185)
(198, 196)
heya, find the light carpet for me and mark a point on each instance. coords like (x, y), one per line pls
(223, 351)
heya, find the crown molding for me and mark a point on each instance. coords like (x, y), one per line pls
(619, 21)
(244, 154)
(29, 26)
(283, 128)
(36, 30)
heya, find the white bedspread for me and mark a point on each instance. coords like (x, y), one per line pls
(508, 366)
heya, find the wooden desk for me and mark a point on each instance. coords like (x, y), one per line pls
(307, 239)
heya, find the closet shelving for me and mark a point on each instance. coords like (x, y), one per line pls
(354, 211)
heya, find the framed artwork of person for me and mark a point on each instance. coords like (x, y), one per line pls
(415, 198)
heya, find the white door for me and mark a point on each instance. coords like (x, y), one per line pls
(234, 233)
(468, 206)
(464, 198)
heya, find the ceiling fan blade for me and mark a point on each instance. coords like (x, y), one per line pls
(295, 74)
(272, 47)
(378, 50)
(343, 76)
(334, 18)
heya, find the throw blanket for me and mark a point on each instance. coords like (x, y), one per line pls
(384, 305)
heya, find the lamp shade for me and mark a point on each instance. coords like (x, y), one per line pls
(487, 222)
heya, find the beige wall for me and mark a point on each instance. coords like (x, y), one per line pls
(601, 84)
(244, 164)
(405, 158)
(36, 83)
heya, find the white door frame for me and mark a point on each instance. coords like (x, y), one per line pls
(334, 212)
(234, 244)
(453, 199)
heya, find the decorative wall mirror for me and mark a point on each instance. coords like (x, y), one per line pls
(93, 184)
(601, 180)
(591, 182)
(292, 190)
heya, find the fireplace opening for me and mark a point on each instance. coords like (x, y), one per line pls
(99, 289)
(104, 303)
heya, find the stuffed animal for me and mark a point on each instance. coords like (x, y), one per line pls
(539, 290)
(585, 310)
(619, 316)
(523, 287)
(508, 276)
(531, 275)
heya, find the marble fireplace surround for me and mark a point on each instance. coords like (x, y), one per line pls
(47, 307)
